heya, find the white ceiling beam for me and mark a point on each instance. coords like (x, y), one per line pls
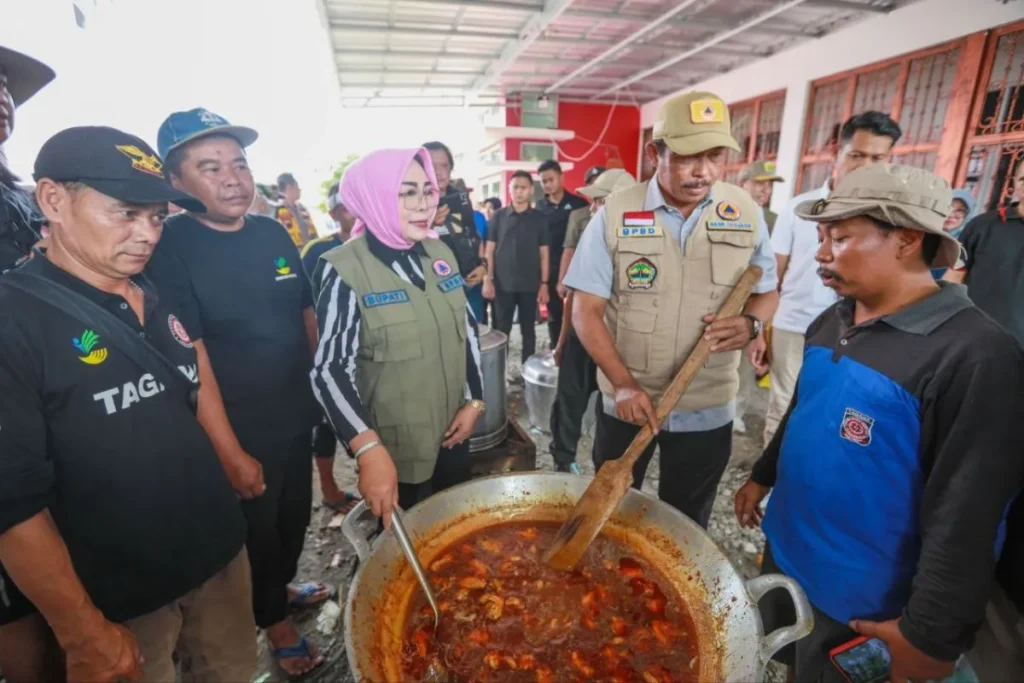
(383, 29)
(661, 66)
(420, 54)
(407, 72)
(625, 42)
(704, 24)
(854, 6)
(473, 4)
(531, 31)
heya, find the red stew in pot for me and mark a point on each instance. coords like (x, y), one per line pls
(506, 616)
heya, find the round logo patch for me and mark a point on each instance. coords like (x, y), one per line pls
(178, 331)
(640, 274)
(856, 427)
(442, 268)
(727, 211)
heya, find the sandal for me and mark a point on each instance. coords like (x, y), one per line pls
(310, 594)
(301, 650)
(345, 505)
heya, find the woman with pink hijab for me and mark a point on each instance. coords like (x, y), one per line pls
(397, 370)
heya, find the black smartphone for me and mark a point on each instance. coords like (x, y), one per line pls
(455, 201)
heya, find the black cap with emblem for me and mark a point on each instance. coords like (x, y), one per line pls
(111, 162)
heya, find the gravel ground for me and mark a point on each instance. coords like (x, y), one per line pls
(323, 544)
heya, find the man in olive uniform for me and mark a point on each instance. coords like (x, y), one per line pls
(652, 269)
(759, 180)
(577, 374)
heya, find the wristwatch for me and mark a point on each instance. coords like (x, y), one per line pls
(479, 405)
(757, 327)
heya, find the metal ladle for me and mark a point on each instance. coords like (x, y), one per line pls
(410, 554)
(436, 673)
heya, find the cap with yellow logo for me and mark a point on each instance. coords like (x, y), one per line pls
(111, 162)
(761, 171)
(693, 123)
(609, 182)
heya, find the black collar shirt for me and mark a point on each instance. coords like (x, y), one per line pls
(129, 475)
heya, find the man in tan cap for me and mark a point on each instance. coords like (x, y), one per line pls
(759, 179)
(577, 375)
(652, 268)
(893, 467)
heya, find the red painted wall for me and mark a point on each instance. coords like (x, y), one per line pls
(618, 148)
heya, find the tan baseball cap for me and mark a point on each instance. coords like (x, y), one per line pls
(902, 196)
(607, 183)
(693, 123)
(761, 170)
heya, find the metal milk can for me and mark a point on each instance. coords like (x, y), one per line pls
(540, 378)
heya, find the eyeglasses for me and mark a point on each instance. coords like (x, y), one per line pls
(413, 200)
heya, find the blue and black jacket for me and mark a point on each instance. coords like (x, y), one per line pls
(895, 464)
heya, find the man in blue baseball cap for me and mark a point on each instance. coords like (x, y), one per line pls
(249, 309)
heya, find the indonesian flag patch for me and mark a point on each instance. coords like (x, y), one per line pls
(856, 427)
(638, 219)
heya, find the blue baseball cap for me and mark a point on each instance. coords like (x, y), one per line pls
(184, 126)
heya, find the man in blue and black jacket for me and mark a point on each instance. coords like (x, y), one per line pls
(901, 451)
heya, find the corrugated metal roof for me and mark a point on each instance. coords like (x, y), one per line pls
(467, 51)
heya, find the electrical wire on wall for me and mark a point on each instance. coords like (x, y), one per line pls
(597, 143)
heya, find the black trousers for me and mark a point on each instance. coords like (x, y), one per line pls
(692, 463)
(325, 443)
(577, 380)
(453, 467)
(555, 311)
(808, 656)
(277, 524)
(505, 305)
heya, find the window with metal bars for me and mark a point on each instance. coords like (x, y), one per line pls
(756, 125)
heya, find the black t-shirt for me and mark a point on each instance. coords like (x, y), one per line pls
(557, 216)
(994, 242)
(243, 294)
(129, 475)
(518, 238)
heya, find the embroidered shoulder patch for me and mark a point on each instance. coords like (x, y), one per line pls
(727, 211)
(395, 296)
(449, 283)
(640, 274)
(856, 427)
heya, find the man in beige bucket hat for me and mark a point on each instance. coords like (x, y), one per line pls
(653, 266)
(893, 467)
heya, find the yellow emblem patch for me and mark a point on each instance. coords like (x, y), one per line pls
(707, 111)
(727, 211)
(147, 163)
(769, 167)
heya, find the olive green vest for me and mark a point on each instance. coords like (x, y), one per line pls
(662, 290)
(411, 360)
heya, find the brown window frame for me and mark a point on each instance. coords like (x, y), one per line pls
(948, 147)
(757, 103)
(987, 48)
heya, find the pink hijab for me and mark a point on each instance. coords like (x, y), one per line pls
(370, 188)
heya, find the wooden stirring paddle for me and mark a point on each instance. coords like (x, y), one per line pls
(609, 487)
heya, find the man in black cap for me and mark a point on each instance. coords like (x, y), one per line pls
(117, 522)
(21, 77)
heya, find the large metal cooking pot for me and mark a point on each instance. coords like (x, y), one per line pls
(493, 426)
(731, 640)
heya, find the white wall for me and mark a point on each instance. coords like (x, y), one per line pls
(919, 25)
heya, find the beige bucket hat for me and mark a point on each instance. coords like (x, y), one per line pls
(609, 182)
(693, 123)
(902, 196)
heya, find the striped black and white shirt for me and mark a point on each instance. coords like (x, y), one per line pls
(334, 367)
